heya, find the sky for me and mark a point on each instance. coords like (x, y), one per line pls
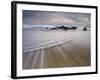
(31, 17)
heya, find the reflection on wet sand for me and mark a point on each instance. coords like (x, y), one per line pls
(73, 52)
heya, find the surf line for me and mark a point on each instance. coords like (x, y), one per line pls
(48, 46)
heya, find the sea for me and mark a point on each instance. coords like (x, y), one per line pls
(40, 36)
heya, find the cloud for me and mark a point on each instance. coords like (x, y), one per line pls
(49, 17)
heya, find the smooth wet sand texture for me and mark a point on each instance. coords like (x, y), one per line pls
(73, 53)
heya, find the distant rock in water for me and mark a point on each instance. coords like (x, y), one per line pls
(53, 28)
(84, 28)
(73, 27)
(63, 27)
(66, 28)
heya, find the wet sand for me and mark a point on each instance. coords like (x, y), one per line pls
(72, 53)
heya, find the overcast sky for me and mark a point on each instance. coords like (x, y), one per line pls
(31, 17)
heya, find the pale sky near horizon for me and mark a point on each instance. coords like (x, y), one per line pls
(31, 17)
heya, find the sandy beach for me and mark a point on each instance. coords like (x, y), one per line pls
(56, 48)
